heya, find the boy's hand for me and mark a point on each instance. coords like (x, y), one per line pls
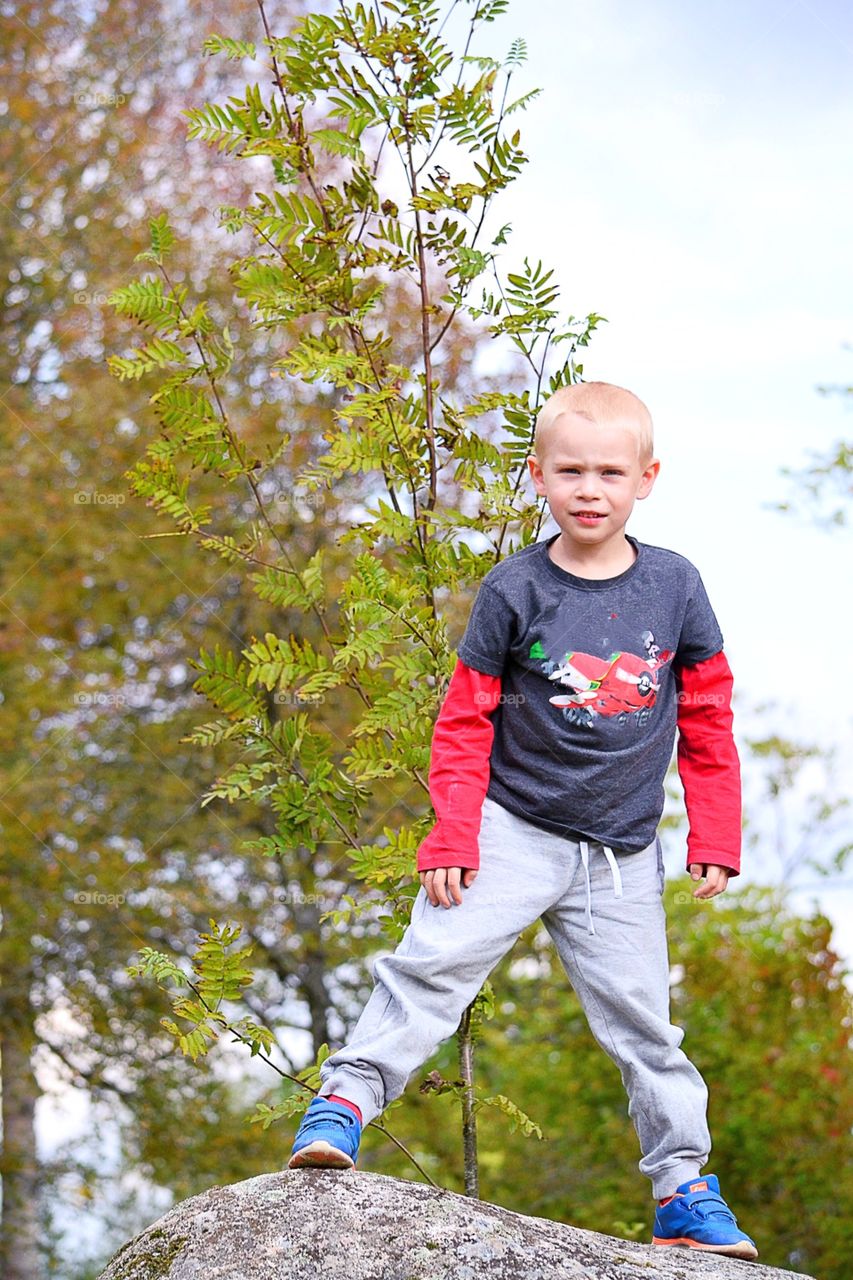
(442, 884)
(716, 879)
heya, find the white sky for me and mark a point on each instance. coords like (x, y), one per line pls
(690, 180)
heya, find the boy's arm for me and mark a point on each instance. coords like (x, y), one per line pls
(459, 769)
(708, 764)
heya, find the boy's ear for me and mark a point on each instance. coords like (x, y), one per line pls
(535, 470)
(650, 474)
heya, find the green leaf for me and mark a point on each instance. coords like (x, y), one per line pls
(162, 237)
(517, 53)
(519, 1119)
(338, 143)
(145, 302)
(157, 354)
(233, 49)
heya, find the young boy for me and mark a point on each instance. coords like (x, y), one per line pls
(581, 655)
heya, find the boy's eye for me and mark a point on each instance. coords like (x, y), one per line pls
(608, 471)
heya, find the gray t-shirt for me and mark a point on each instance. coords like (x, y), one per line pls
(586, 725)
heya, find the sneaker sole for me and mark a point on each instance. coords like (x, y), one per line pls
(740, 1249)
(320, 1155)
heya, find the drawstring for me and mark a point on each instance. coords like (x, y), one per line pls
(614, 871)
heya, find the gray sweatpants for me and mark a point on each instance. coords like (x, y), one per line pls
(613, 949)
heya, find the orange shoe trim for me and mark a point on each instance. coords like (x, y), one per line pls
(740, 1249)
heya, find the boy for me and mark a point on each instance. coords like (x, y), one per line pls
(581, 656)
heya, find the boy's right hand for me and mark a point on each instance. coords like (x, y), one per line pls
(443, 883)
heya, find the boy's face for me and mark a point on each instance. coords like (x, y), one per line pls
(592, 476)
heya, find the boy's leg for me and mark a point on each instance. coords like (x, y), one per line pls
(621, 976)
(422, 989)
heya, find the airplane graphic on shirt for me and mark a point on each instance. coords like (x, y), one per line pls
(620, 685)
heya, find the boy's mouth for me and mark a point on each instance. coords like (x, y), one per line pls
(588, 517)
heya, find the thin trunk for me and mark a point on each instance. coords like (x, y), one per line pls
(20, 1257)
(312, 965)
(469, 1119)
(312, 974)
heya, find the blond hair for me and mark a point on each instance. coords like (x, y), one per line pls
(602, 403)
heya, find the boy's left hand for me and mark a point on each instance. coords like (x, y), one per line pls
(716, 879)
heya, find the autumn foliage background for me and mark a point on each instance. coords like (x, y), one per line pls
(107, 846)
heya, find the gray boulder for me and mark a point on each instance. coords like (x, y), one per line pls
(312, 1223)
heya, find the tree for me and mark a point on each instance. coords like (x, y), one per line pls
(107, 845)
(422, 143)
(105, 841)
(825, 478)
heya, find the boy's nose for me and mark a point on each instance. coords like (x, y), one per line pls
(587, 486)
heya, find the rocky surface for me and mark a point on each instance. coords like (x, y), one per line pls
(311, 1223)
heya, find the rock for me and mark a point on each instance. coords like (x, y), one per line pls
(313, 1223)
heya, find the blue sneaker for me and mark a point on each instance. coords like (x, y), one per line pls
(698, 1217)
(327, 1138)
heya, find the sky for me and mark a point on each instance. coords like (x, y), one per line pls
(690, 180)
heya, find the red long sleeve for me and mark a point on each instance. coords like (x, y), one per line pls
(708, 763)
(459, 769)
